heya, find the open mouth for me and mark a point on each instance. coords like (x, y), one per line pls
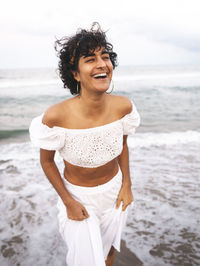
(100, 76)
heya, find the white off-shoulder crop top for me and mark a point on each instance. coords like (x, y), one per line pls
(90, 147)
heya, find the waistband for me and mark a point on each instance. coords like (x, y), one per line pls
(117, 179)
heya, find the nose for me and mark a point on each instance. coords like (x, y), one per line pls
(100, 62)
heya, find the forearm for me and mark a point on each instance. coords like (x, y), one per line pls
(125, 194)
(52, 173)
(124, 164)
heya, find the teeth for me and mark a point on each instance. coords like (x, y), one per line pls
(100, 75)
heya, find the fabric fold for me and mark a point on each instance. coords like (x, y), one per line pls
(45, 137)
(131, 121)
(89, 241)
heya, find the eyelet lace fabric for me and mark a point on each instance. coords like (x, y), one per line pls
(91, 147)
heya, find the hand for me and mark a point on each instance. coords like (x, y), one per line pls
(76, 211)
(126, 196)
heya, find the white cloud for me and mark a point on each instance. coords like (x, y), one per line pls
(143, 31)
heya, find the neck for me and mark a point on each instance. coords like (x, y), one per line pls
(93, 104)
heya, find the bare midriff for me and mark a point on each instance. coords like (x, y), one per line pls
(90, 177)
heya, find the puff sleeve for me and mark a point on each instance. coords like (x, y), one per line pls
(45, 137)
(131, 121)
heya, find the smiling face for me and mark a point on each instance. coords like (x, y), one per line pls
(95, 71)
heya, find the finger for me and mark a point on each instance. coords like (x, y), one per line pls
(124, 207)
(77, 218)
(81, 219)
(118, 202)
(85, 213)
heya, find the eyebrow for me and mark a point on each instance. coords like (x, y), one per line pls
(88, 55)
(93, 54)
(105, 52)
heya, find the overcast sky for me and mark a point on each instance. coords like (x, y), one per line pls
(142, 31)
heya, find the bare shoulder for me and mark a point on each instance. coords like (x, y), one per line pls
(122, 104)
(55, 114)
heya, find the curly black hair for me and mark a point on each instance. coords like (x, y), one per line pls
(81, 44)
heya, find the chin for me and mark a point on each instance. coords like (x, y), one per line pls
(103, 90)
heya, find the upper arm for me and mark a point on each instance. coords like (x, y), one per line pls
(46, 156)
(125, 139)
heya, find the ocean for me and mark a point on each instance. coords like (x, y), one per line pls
(163, 226)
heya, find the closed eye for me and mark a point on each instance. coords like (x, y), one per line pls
(90, 60)
(106, 57)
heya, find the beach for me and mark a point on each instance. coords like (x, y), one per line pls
(163, 226)
(125, 257)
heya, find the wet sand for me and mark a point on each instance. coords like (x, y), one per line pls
(126, 257)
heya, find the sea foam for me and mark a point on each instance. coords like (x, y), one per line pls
(159, 139)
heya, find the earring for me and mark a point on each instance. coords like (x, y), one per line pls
(112, 88)
(77, 88)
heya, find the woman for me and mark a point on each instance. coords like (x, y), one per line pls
(90, 132)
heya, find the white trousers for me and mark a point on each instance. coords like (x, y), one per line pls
(89, 241)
